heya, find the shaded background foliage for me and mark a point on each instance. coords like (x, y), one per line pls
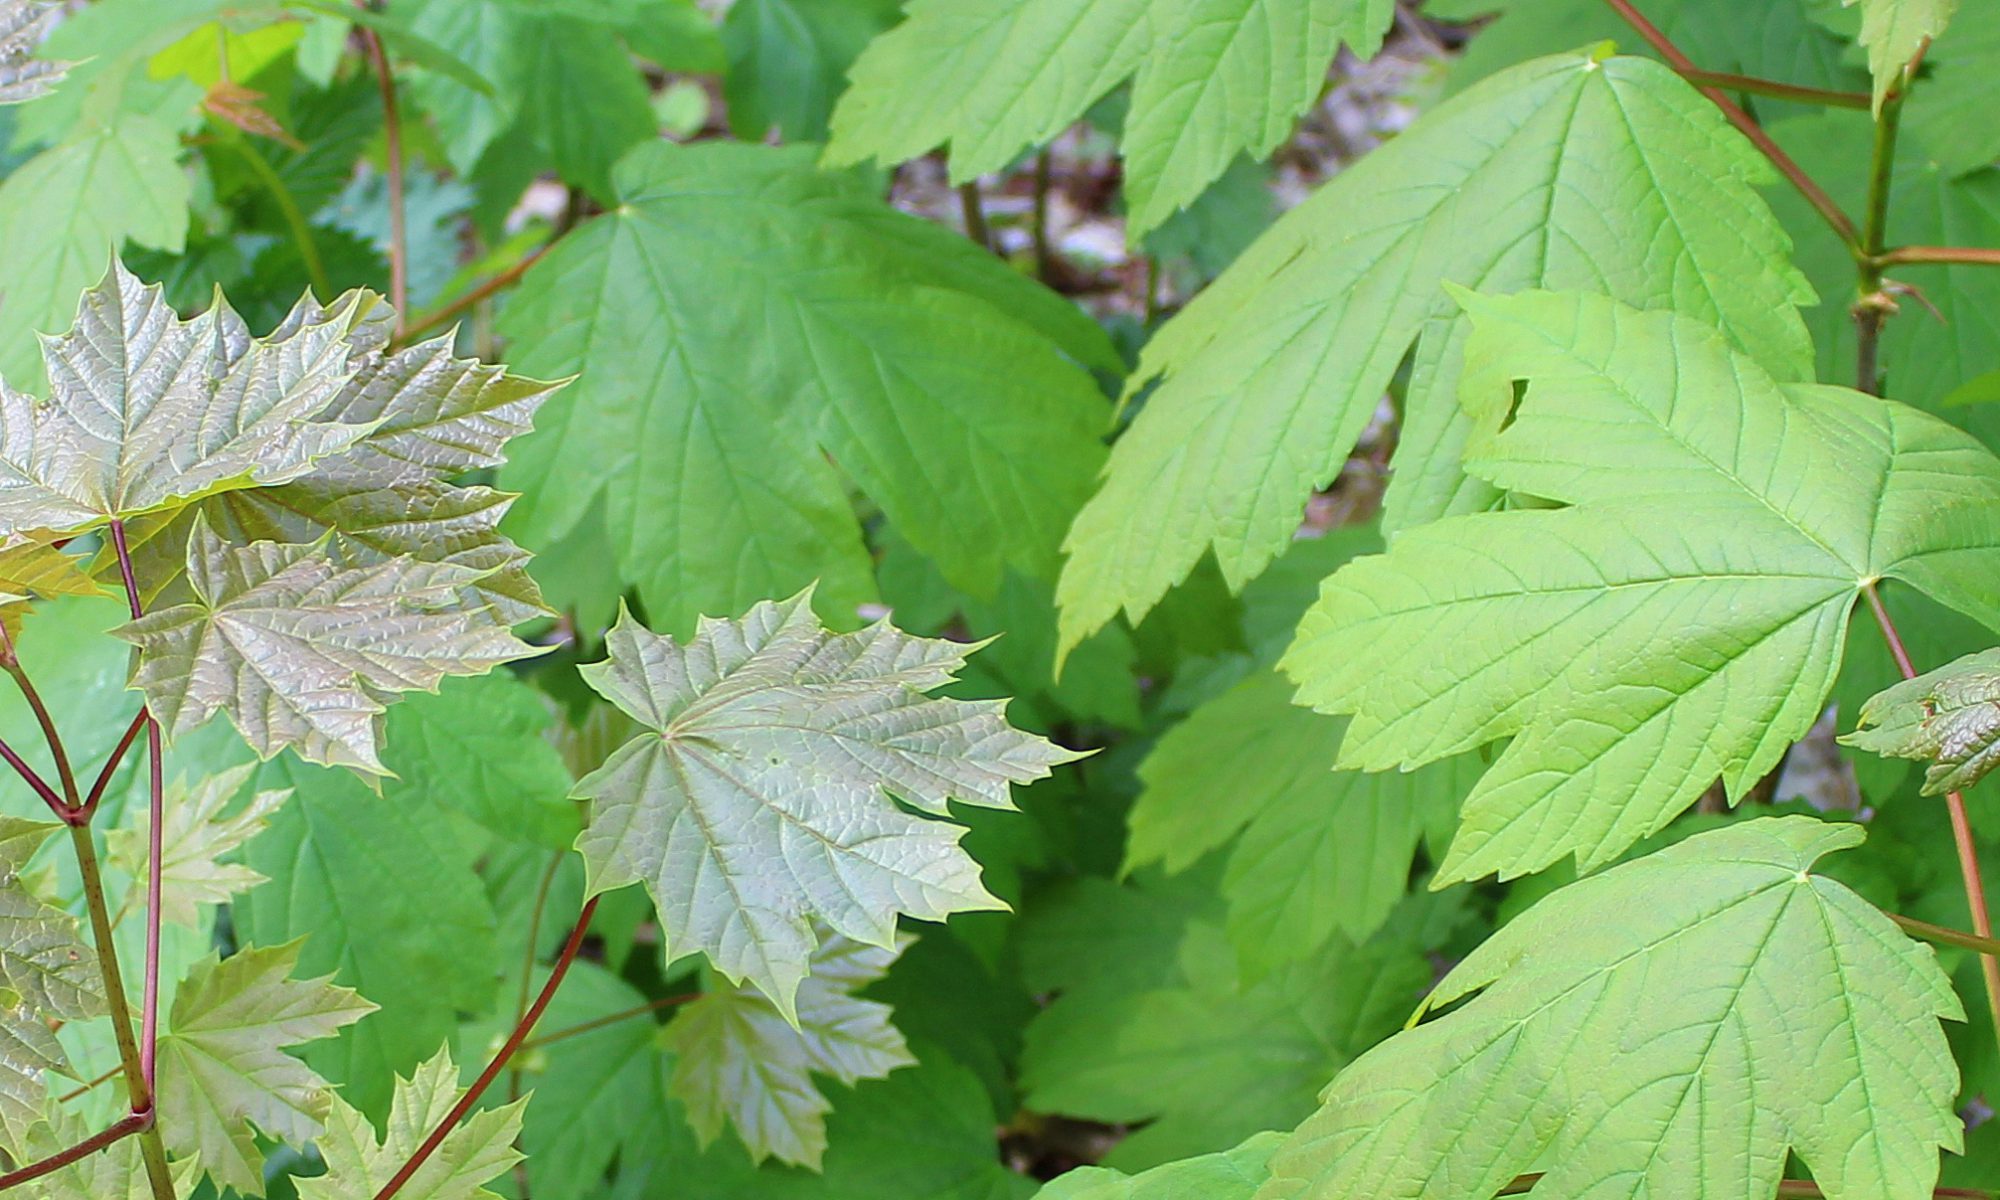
(798, 362)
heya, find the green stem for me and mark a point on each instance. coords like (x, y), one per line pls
(1757, 86)
(138, 1087)
(1976, 256)
(975, 216)
(1944, 935)
(288, 208)
(638, 1010)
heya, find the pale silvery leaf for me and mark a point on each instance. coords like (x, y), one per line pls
(358, 1164)
(45, 973)
(758, 799)
(1950, 716)
(116, 1172)
(303, 651)
(147, 410)
(427, 415)
(223, 1066)
(23, 24)
(738, 1060)
(1668, 1029)
(194, 838)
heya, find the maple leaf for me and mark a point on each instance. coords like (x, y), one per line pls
(1573, 171)
(739, 1059)
(428, 414)
(1631, 660)
(1893, 31)
(724, 478)
(23, 24)
(147, 410)
(1950, 715)
(194, 838)
(755, 799)
(117, 1172)
(1798, 1019)
(1319, 850)
(223, 1067)
(1233, 1174)
(1212, 79)
(358, 1163)
(302, 651)
(45, 973)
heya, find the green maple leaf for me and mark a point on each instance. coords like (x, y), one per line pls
(948, 387)
(740, 1059)
(757, 798)
(147, 410)
(359, 1163)
(1211, 79)
(1950, 716)
(23, 24)
(346, 862)
(1571, 171)
(1634, 660)
(1315, 850)
(45, 973)
(1669, 1028)
(1198, 1054)
(223, 1067)
(304, 652)
(1233, 1174)
(194, 838)
(69, 209)
(1893, 31)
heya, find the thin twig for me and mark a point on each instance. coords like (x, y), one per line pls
(110, 768)
(118, 1130)
(527, 1024)
(1961, 825)
(288, 208)
(84, 1088)
(1872, 305)
(974, 214)
(504, 279)
(392, 133)
(138, 1082)
(1969, 255)
(1045, 260)
(637, 1010)
(1758, 86)
(1944, 935)
(154, 1150)
(35, 781)
(11, 663)
(528, 957)
(1746, 124)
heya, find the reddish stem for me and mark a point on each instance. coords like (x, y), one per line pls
(42, 789)
(97, 789)
(392, 133)
(466, 301)
(1961, 824)
(527, 1024)
(1746, 124)
(149, 1012)
(638, 1010)
(118, 1130)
